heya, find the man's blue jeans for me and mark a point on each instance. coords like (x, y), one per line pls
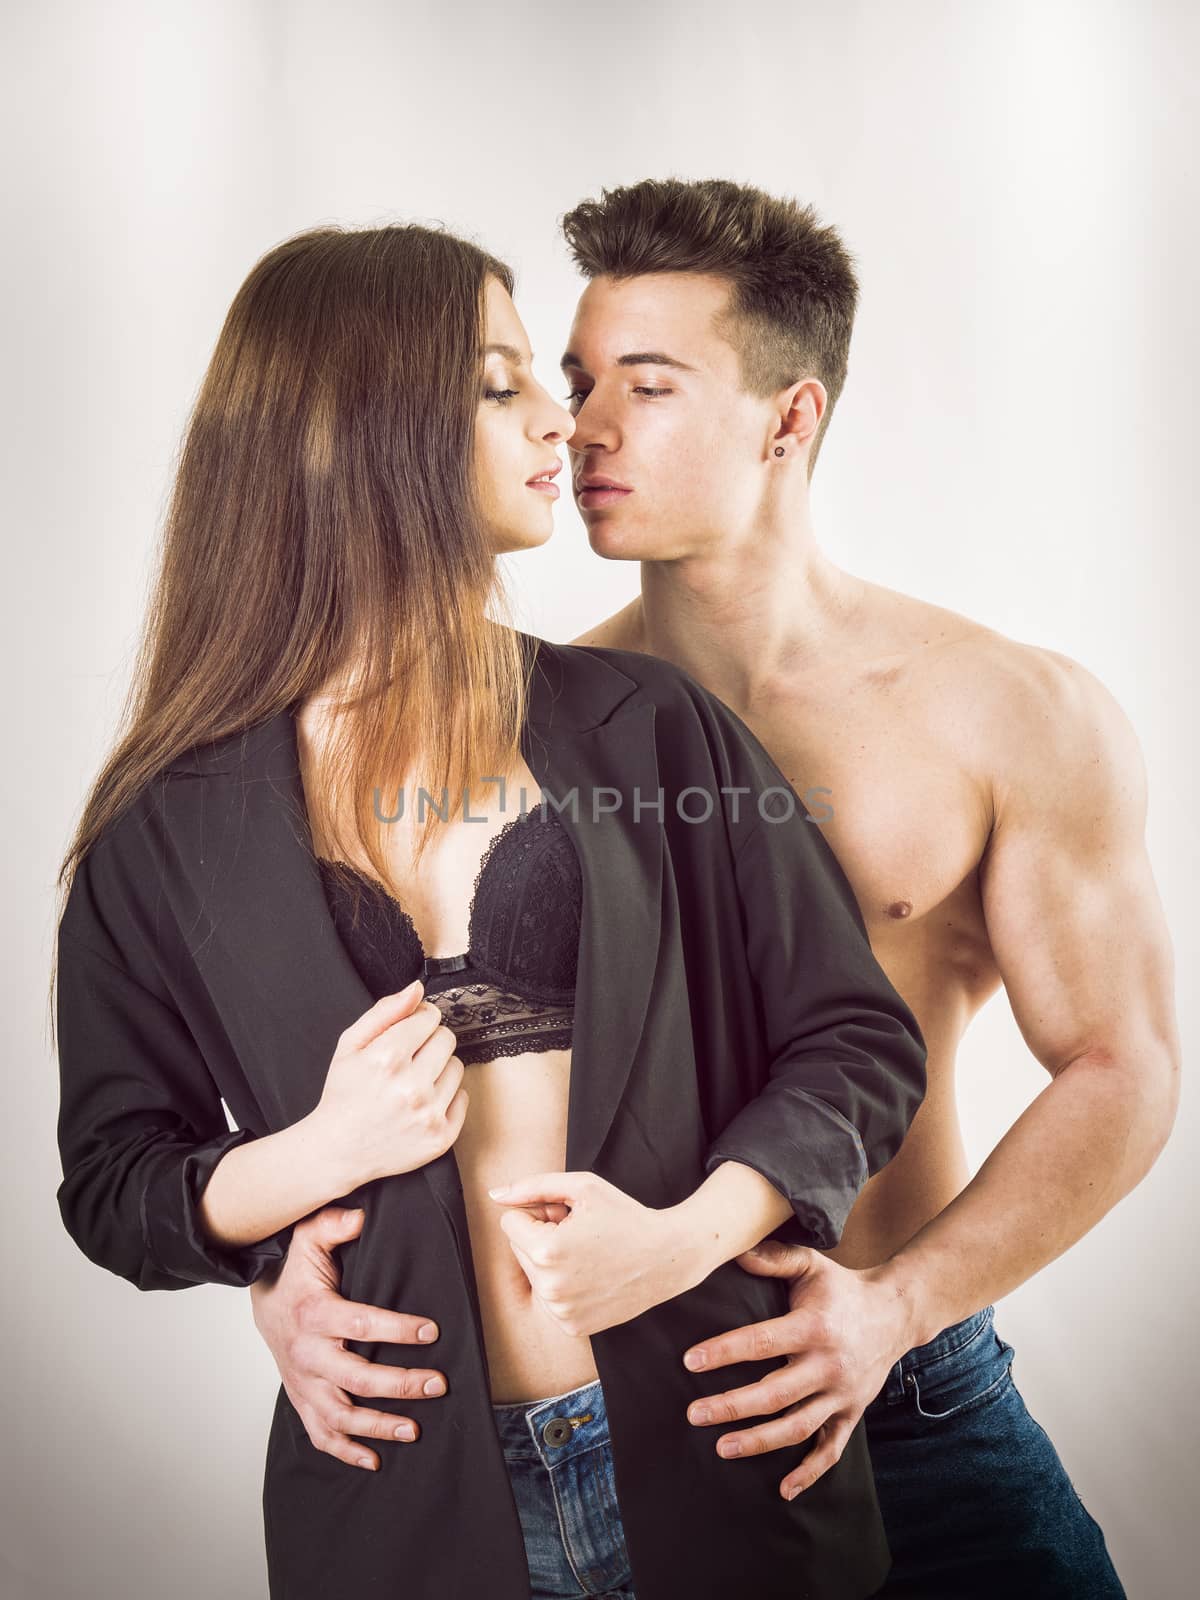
(976, 1503)
(974, 1498)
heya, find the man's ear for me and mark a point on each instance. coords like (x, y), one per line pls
(800, 408)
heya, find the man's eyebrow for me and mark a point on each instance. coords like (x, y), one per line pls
(509, 351)
(637, 358)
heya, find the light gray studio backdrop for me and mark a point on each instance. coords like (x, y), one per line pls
(1016, 441)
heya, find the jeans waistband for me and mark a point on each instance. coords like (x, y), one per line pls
(555, 1428)
(952, 1341)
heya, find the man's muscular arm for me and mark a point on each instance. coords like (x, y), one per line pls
(1077, 929)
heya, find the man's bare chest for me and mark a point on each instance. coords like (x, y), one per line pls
(893, 794)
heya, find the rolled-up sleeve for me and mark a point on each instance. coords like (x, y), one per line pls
(140, 1129)
(846, 1059)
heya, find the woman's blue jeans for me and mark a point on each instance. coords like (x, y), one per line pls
(560, 1463)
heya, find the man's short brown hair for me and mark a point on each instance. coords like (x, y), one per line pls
(794, 289)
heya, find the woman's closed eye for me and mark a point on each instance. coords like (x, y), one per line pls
(503, 396)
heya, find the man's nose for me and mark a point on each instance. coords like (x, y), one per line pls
(591, 430)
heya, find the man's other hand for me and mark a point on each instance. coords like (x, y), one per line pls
(844, 1331)
(305, 1321)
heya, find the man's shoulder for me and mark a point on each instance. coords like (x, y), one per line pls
(1057, 737)
(620, 641)
(693, 724)
(1024, 695)
(1001, 681)
(1030, 719)
(660, 679)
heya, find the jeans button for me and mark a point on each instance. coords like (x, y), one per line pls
(557, 1431)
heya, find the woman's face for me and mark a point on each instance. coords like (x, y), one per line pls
(517, 432)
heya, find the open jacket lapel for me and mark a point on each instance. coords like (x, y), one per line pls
(622, 868)
(260, 906)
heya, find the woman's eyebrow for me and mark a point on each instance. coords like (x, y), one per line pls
(509, 351)
(637, 358)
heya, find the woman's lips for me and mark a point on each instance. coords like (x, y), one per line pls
(543, 481)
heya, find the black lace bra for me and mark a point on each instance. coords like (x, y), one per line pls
(513, 989)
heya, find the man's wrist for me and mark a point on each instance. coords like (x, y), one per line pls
(917, 1310)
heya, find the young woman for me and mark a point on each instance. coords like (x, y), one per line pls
(622, 957)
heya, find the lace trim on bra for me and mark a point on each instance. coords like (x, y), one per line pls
(487, 1022)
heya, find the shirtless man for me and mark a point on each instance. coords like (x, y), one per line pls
(986, 799)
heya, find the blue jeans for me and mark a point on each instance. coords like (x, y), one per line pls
(560, 1464)
(975, 1500)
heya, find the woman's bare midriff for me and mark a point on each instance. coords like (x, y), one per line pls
(516, 1125)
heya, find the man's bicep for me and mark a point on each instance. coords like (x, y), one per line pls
(1072, 911)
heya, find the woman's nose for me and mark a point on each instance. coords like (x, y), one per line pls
(565, 426)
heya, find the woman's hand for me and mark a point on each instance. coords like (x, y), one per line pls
(393, 1098)
(610, 1259)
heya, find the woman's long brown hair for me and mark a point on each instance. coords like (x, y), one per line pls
(323, 524)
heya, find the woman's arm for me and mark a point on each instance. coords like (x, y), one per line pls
(392, 1101)
(260, 1187)
(732, 1210)
(141, 1127)
(156, 1187)
(613, 1257)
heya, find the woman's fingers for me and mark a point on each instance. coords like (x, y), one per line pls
(388, 1009)
(434, 1052)
(409, 1034)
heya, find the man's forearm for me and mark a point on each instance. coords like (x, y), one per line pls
(1090, 1136)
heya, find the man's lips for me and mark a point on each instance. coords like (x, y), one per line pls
(597, 490)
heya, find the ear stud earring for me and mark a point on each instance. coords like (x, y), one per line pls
(778, 449)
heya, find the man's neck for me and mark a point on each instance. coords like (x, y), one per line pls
(742, 620)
